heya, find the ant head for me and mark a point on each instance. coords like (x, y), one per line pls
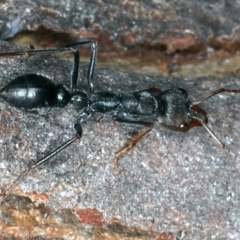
(174, 109)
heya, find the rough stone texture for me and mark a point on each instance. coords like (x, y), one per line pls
(182, 184)
(154, 22)
(154, 36)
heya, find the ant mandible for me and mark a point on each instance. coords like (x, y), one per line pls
(170, 107)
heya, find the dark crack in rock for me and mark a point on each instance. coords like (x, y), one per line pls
(145, 36)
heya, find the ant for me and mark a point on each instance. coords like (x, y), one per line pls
(170, 107)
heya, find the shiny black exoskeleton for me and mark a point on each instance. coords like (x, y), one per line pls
(171, 107)
(35, 91)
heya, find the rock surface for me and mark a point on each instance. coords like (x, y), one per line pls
(171, 184)
(154, 37)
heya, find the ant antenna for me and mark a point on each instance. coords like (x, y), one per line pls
(78, 135)
(220, 90)
(220, 143)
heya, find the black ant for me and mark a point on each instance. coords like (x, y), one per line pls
(170, 107)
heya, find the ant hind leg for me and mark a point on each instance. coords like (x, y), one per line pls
(77, 136)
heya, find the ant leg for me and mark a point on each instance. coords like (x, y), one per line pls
(41, 161)
(84, 115)
(68, 48)
(219, 142)
(134, 141)
(220, 90)
(91, 67)
(74, 72)
(32, 52)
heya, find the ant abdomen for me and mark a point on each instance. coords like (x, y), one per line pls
(34, 91)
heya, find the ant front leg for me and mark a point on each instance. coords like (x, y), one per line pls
(78, 135)
(133, 141)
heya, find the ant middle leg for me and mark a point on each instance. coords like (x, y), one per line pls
(133, 141)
